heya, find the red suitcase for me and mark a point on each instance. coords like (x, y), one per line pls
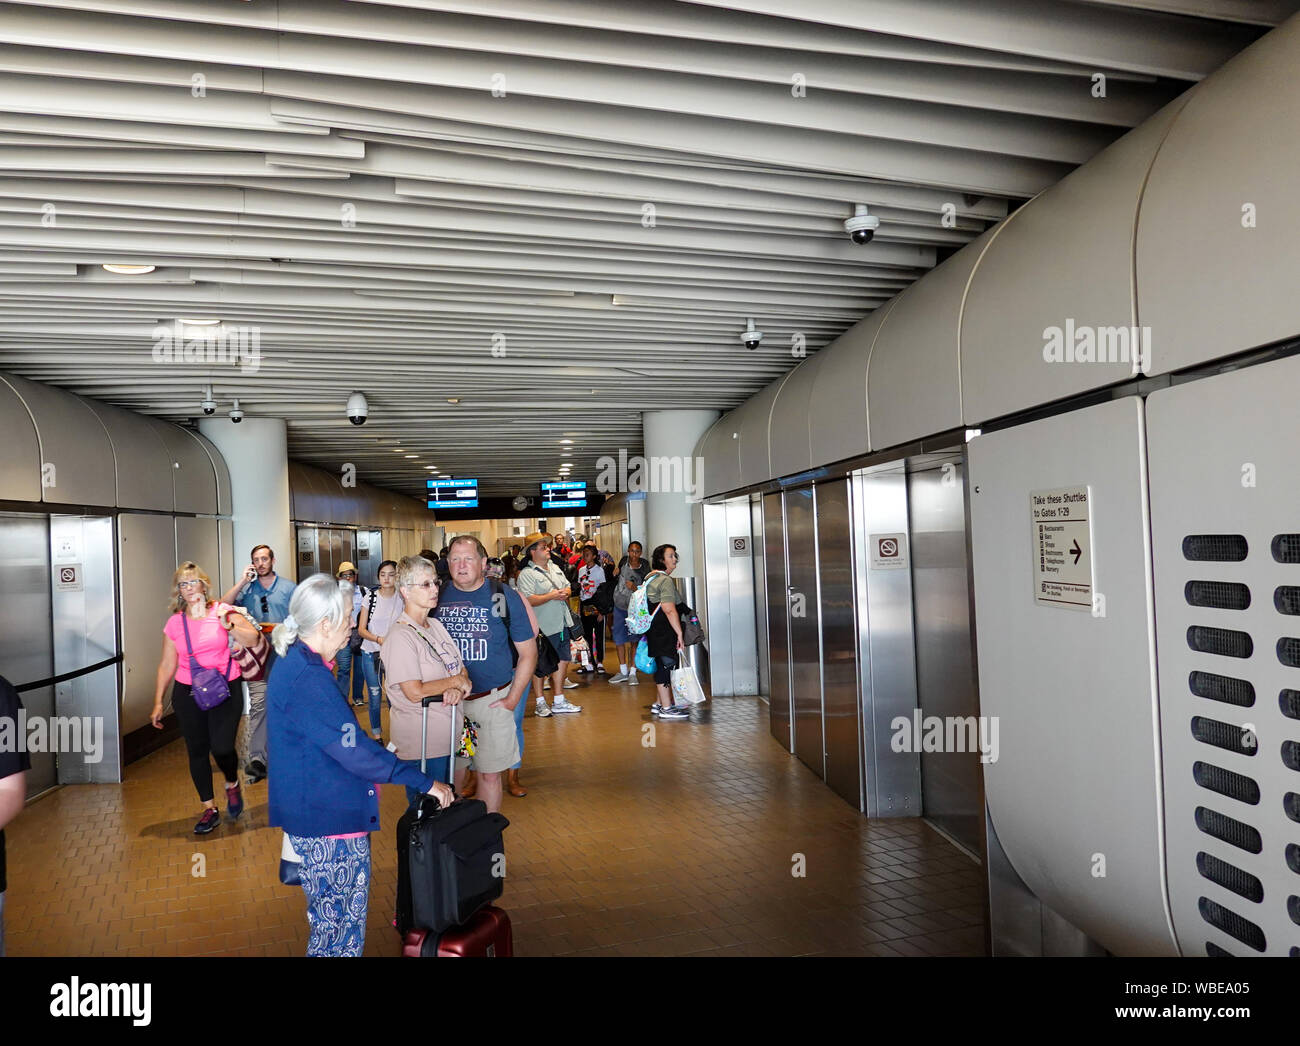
(486, 935)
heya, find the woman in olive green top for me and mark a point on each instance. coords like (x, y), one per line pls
(665, 636)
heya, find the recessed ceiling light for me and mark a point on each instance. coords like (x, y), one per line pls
(566, 441)
(567, 464)
(200, 321)
(413, 455)
(453, 399)
(430, 468)
(127, 270)
(398, 450)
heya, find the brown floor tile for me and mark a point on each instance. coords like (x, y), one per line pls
(683, 849)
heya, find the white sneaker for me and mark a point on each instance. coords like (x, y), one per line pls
(620, 678)
(561, 706)
(546, 685)
(631, 678)
(541, 709)
(569, 684)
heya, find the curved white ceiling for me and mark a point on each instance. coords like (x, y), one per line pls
(557, 213)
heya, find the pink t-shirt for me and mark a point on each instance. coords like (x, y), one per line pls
(210, 642)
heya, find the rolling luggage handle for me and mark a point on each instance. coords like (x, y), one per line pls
(424, 745)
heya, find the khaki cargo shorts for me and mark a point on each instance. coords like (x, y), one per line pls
(498, 747)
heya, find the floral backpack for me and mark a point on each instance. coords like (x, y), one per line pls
(638, 607)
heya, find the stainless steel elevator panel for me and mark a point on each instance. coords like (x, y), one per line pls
(147, 561)
(804, 600)
(324, 553)
(759, 544)
(85, 633)
(945, 681)
(26, 647)
(740, 587)
(886, 644)
(780, 719)
(717, 597)
(306, 555)
(839, 642)
(1225, 527)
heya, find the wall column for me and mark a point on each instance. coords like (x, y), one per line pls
(671, 477)
(257, 455)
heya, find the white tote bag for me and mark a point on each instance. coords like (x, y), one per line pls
(686, 686)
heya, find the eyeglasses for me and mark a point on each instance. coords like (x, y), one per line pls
(188, 584)
(348, 573)
(424, 584)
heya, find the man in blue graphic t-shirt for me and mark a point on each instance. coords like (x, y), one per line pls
(475, 616)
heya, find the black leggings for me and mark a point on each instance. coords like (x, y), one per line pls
(593, 629)
(207, 732)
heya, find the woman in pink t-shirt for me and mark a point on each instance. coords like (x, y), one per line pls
(206, 731)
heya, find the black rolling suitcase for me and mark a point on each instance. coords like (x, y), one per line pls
(450, 862)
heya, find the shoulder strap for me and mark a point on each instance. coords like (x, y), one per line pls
(370, 608)
(432, 649)
(499, 589)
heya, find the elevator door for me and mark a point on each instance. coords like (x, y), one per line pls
(945, 678)
(26, 643)
(805, 628)
(778, 625)
(839, 637)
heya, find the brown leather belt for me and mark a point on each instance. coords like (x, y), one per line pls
(484, 693)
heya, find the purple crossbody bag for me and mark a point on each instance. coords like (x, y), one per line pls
(209, 686)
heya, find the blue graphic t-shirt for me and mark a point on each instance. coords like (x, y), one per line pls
(480, 629)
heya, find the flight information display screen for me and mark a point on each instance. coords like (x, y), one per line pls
(564, 494)
(452, 493)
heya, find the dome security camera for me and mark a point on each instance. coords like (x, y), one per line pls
(357, 409)
(236, 415)
(862, 226)
(209, 405)
(750, 338)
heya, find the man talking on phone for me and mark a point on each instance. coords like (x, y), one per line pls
(265, 595)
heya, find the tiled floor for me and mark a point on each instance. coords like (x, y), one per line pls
(636, 838)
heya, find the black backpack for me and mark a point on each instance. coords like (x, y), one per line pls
(603, 598)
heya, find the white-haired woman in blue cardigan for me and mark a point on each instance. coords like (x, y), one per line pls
(323, 792)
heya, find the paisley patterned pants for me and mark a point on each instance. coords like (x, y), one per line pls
(336, 879)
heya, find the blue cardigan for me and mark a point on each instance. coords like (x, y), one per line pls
(323, 764)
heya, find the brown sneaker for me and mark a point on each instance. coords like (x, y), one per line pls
(513, 786)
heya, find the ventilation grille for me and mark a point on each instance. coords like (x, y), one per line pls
(1286, 548)
(1224, 735)
(1288, 651)
(1291, 754)
(1289, 702)
(1230, 691)
(1229, 830)
(1215, 952)
(1225, 782)
(1217, 548)
(1286, 598)
(1230, 877)
(1232, 924)
(1226, 642)
(1223, 595)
